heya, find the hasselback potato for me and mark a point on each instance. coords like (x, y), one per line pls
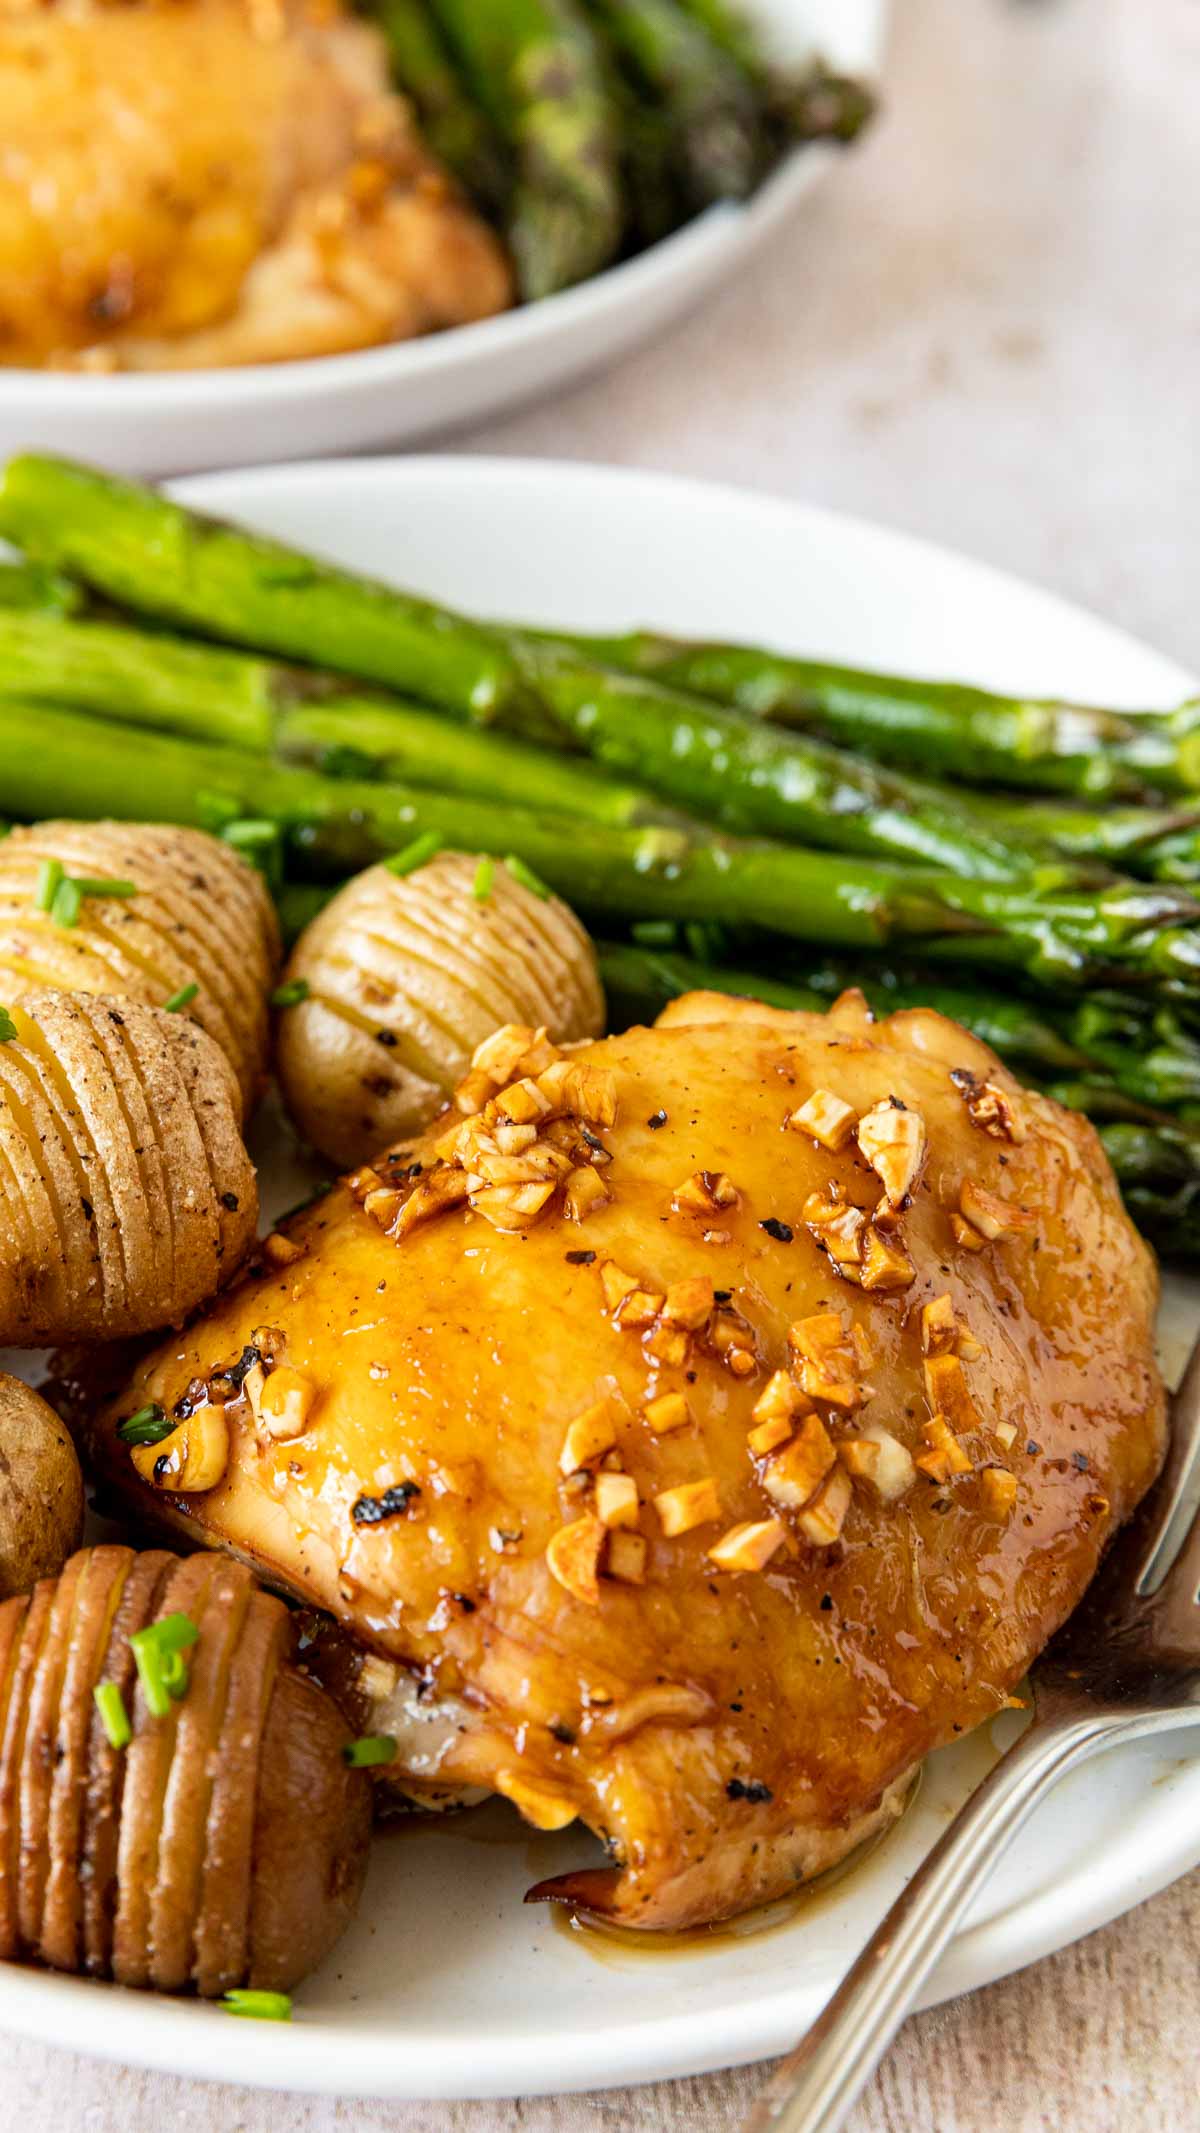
(126, 1194)
(224, 1842)
(199, 929)
(41, 1489)
(403, 976)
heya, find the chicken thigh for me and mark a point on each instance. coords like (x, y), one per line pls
(219, 181)
(707, 1478)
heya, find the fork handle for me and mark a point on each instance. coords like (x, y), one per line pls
(815, 2086)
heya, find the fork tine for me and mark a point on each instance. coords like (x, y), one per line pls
(1177, 1495)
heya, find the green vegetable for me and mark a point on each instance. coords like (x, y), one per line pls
(1135, 934)
(145, 552)
(114, 1717)
(258, 2006)
(158, 1655)
(415, 855)
(451, 120)
(371, 1750)
(8, 1028)
(181, 999)
(291, 994)
(946, 729)
(526, 876)
(537, 70)
(148, 1426)
(67, 903)
(707, 100)
(481, 887)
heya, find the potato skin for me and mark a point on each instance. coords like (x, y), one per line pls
(201, 917)
(41, 1490)
(227, 1843)
(406, 976)
(126, 1194)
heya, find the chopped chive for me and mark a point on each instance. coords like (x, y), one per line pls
(113, 1716)
(526, 876)
(181, 999)
(215, 809)
(372, 1749)
(414, 855)
(157, 1653)
(654, 932)
(291, 994)
(485, 873)
(148, 1426)
(8, 1028)
(68, 902)
(103, 885)
(259, 2006)
(50, 873)
(260, 842)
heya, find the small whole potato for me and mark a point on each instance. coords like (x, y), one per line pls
(41, 1490)
(126, 1194)
(404, 976)
(200, 927)
(202, 1831)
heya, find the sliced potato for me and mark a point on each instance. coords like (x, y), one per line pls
(200, 917)
(126, 1195)
(406, 976)
(224, 1842)
(41, 1490)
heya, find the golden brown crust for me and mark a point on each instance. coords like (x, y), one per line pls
(126, 1195)
(406, 976)
(201, 917)
(721, 1730)
(140, 1863)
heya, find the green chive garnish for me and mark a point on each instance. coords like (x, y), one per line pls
(485, 873)
(113, 1716)
(104, 885)
(148, 1426)
(50, 873)
(260, 842)
(8, 1028)
(414, 855)
(259, 2006)
(158, 1655)
(215, 809)
(372, 1749)
(291, 994)
(181, 999)
(654, 932)
(68, 902)
(527, 878)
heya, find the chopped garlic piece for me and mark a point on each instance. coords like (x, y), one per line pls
(626, 1559)
(947, 1393)
(892, 1470)
(893, 1141)
(794, 1474)
(748, 1547)
(884, 1265)
(522, 1102)
(822, 1520)
(284, 1403)
(500, 1054)
(669, 1412)
(590, 1093)
(992, 1216)
(616, 1283)
(667, 1344)
(588, 1438)
(573, 1558)
(690, 1302)
(998, 1492)
(826, 1119)
(512, 1207)
(939, 1326)
(942, 1441)
(639, 1307)
(585, 1191)
(694, 1503)
(966, 1236)
(769, 1435)
(779, 1399)
(616, 1500)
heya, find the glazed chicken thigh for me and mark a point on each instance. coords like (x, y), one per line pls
(705, 1491)
(194, 182)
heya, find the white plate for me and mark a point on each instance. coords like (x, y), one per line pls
(391, 396)
(448, 1985)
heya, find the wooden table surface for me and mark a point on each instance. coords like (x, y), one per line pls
(985, 329)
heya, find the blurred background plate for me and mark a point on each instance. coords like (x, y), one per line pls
(155, 424)
(448, 1985)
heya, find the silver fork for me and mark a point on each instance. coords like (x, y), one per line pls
(1127, 1664)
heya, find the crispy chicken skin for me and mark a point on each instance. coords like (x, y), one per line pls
(725, 1733)
(207, 182)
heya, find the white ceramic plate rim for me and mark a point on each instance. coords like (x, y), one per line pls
(324, 2053)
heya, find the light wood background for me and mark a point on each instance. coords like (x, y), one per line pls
(985, 329)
